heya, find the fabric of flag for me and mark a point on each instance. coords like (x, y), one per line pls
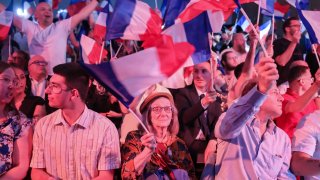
(100, 27)
(264, 30)
(6, 18)
(133, 20)
(129, 76)
(174, 8)
(29, 6)
(196, 7)
(244, 24)
(91, 50)
(280, 10)
(310, 20)
(10, 6)
(267, 6)
(75, 6)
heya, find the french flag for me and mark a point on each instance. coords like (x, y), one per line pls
(133, 20)
(280, 10)
(244, 24)
(129, 76)
(196, 7)
(310, 20)
(100, 27)
(75, 6)
(6, 18)
(91, 50)
(264, 30)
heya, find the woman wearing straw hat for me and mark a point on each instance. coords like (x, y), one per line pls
(159, 154)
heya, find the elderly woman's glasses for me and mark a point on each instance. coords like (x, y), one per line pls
(158, 109)
(56, 88)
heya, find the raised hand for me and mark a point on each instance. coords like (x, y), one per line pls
(267, 74)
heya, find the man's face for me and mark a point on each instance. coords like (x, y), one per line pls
(44, 14)
(239, 42)
(37, 66)
(306, 80)
(17, 59)
(273, 104)
(201, 75)
(295, 26)
(231, 61)
(58, 93)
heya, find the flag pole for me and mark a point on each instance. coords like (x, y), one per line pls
(139, 120)
(9, 39)
(315, 51)
(259, 9)
(255, 32)
(102, 47)
(156, 3)
(118, 50)
(272, 28)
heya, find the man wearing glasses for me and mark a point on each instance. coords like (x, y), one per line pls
(74, 142)
(38, 80)
(299, 100)
(287, 49)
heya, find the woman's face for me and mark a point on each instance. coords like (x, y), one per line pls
(21, 77)
(161, 112)
(7, 84)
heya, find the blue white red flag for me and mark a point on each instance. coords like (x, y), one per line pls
(91, 50)
(244, 24)
(100, 27)
(6, 18)
(133, 20)
(310, 20)
(126, 78)
(264, 30)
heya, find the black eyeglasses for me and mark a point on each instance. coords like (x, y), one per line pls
(39, 63)
(158, 109)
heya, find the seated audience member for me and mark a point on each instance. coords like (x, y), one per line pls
(198, 112)
(32, 106)
(159, 154)
(305, 147)
(299, 100)
(73, 142)
(20, 59)
(38, 80)
(249, 143)
(15, 128)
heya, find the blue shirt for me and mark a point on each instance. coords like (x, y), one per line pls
(242, 153)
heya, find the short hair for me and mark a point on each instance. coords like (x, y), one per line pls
(174, 124)
(224, 55)
(75, 77)
(287, 22)
(296, 72)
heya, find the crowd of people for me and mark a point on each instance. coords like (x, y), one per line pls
(244, 115)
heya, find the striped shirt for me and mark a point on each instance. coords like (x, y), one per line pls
(78, 151)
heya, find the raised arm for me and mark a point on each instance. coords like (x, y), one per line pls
(302, 101)
(84, 13)
(284, 58)
(231, 123)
